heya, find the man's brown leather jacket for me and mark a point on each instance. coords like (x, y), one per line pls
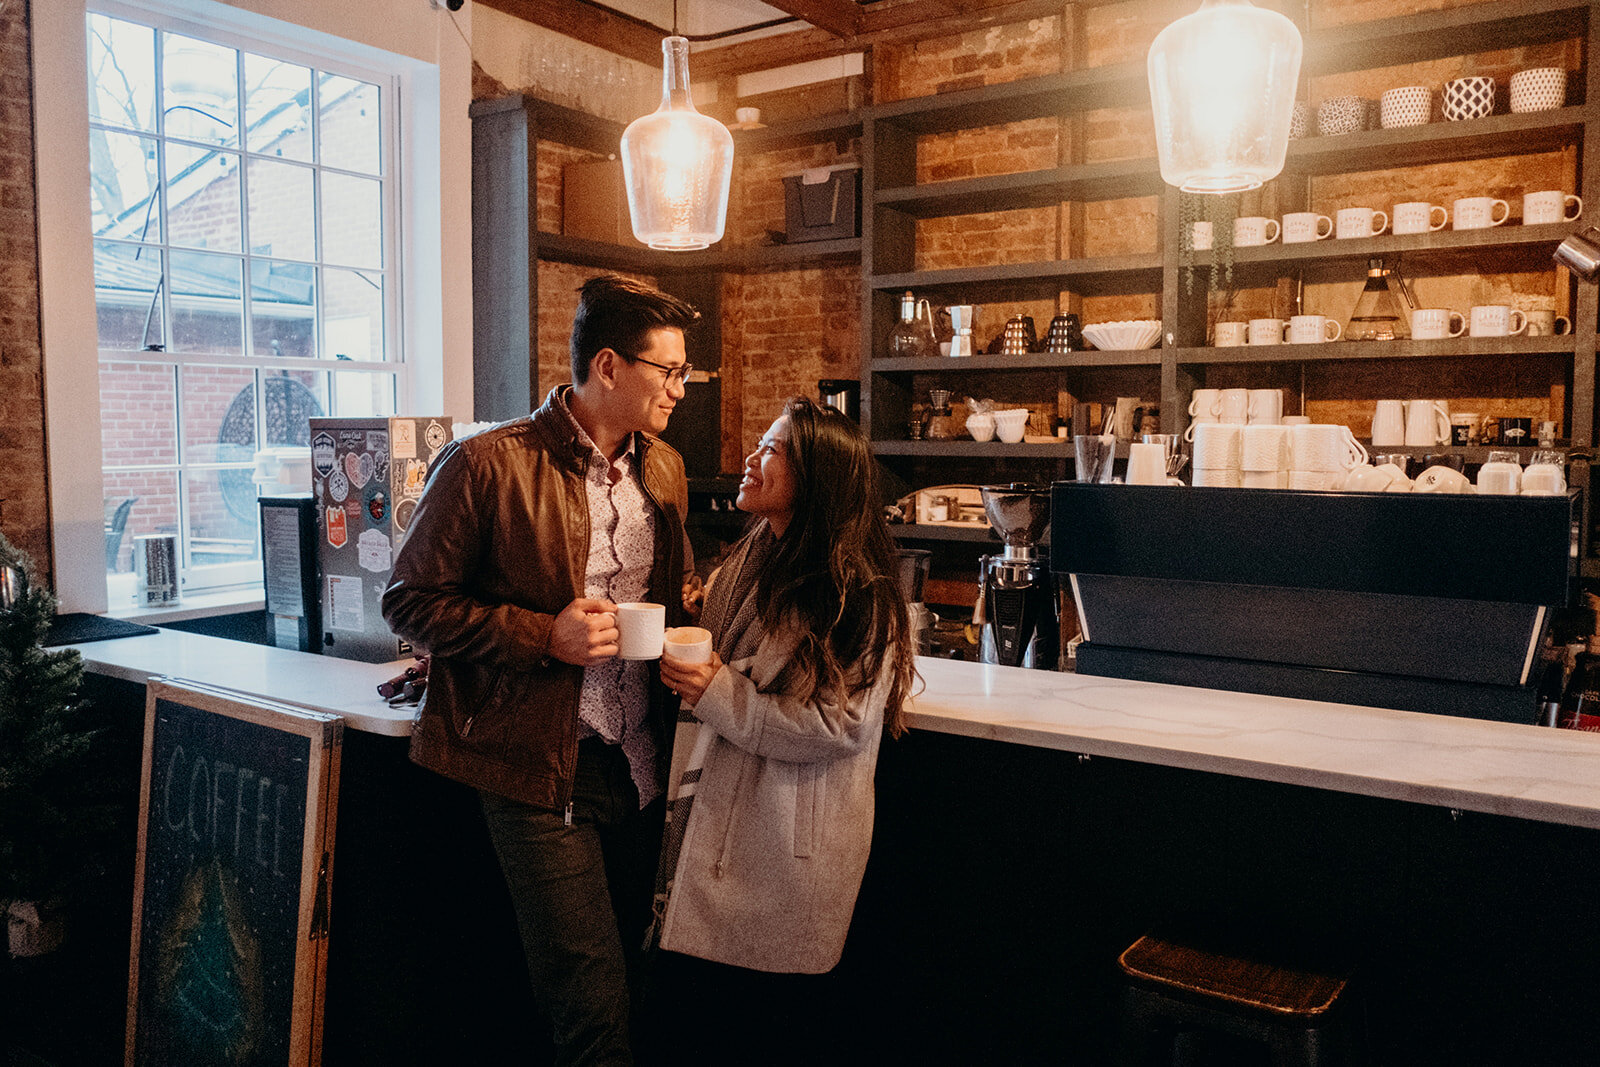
(498, 546)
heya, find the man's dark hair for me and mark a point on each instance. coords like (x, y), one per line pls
(618, 313)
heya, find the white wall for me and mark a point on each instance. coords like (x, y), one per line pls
(436, 91)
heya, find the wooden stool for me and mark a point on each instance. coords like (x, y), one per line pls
(1178, 986)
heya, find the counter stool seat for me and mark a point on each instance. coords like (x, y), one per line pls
(1178, 985)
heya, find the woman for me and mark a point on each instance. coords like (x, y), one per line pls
(812, 663)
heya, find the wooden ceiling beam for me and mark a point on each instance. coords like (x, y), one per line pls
(842, 18)
(885, 23)
(587, 24)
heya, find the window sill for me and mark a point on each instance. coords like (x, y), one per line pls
(229, 601)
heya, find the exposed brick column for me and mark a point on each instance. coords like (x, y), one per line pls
(26, 515)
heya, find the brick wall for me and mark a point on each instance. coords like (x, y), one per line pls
(25, 517)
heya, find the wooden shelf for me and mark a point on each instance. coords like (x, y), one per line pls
(1059, 449)
(1104, 274)
(1449, 348)
(1437, 142)
(1115, 85)
(1439, 34)
(1040, 188)
(584, 252)
(1149, 357)
(840, 126)
(981, 534)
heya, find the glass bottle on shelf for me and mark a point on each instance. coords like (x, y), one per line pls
(941, 424)
(913, 334)
(1380, 313)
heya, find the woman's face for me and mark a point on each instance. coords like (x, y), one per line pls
(768, 486)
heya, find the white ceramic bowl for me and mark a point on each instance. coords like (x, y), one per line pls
(1127, 335)
(981, 426)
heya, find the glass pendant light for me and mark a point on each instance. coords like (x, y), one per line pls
(677, 164)
(1222, 86)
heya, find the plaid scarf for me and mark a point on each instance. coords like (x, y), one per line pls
(730, 615)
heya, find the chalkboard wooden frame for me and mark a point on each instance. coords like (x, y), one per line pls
(289, 1019)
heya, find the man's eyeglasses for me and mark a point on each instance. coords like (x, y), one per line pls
(679, 374)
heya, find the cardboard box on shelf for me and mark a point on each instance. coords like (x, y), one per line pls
(594, 203)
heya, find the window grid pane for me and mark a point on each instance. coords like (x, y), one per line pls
(227, 164)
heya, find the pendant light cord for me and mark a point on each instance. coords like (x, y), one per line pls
(674, 18)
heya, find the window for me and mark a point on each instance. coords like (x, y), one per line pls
(245, 277)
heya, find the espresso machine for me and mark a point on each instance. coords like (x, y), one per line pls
(1017, 606)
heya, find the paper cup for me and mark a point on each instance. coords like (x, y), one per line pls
(692, 644)
(641, 628)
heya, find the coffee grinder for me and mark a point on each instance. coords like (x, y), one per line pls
(1017, 606)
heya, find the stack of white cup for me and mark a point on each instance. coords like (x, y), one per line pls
(1217, 454)
(1322, 454)
(1264, 456)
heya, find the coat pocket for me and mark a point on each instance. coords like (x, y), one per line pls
(807, 804)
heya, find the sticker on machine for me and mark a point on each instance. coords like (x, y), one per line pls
(345, 608)
(358, 472)
(322, 453)
(337, 530)
(373, 552)
(405, 438)
(338, 486)
(376, 503)
(416, 477)
(435, 436)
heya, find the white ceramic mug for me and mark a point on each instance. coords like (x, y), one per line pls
(1218, 477)
(1204, 405)
(1360, 222)
(1427, 423)
(1231, 334)
(1254, 230)
(1147, 464)
(1546, 323)
(1550, 205)
(1419, 216)
(1265, 407)
(1496, 320)
(1316, 480)
(1543, 479)
(1302, 226)
(1266, 331)
(1389, 424)
(1501, 475)
(1264, 448)
(1313, 329)
(1233, 406)
(691, 644)
(1264, 480)
(1433, 324)
(1324, 446)
(642, 629)
(1296, 420)
(1217, 446)
(1440, 479)
(1478, 212)
(1203, 237)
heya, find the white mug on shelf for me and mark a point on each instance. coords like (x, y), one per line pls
(1231, 334)
(1233, 406)
(1324, 446)
(1264, 407)
(1496, 320)
(1254, 230)
(1204, 405)
(1546, 323)
(1147, 464)
(1434, 324)
(1427, 423)
(1313, 329)
(1389, 424)
(1266, 331)
(1264, 448)
(1360, 222)
(1203, 236)
(1300, 227)
(1550, 205)
(1479, 212)
(1419, 216)
(1217, 446)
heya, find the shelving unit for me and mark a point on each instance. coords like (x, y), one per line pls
(894, 202)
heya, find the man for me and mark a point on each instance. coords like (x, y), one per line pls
(527, 538)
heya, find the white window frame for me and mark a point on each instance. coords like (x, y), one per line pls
(433, 61)
(120, 587)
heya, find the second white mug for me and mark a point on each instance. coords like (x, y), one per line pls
(1479, 212)
(1313, 329)
(1550, 205)
(1266, 331)
(1434, 324)
(1360, 222)
(1302, 226)
(1496, 320)
(1419, 216)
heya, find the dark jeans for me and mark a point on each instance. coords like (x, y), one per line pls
(582, 897)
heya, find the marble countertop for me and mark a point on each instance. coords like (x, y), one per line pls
(1528, 772)
(320, 683)
(1504, 769)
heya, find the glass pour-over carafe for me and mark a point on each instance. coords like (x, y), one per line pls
(1380, 313)
(913, 334)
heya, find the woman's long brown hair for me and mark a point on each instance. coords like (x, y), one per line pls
(833, 570)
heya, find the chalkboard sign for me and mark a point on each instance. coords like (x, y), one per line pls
(230, 913)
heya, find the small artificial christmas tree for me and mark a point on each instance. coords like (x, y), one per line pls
(42, 744)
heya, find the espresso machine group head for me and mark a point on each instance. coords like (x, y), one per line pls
(1017, 606)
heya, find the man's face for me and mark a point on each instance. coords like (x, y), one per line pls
(645, 395)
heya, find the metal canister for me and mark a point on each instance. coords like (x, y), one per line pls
(155, 566)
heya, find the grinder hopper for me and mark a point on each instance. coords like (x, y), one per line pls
(1020, 513)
